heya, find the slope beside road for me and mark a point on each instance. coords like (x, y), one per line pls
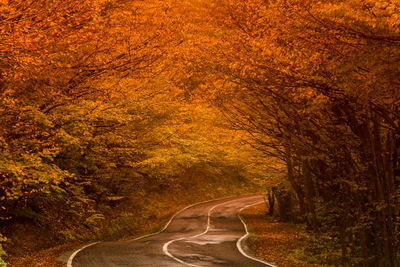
(205, 234)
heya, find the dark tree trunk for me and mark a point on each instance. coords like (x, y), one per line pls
(271, 201)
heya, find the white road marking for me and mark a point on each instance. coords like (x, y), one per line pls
(238, 243)
(165, 246)
(69, 262)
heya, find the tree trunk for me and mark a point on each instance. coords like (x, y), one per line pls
(271, 201)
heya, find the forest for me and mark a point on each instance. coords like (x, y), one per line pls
(130, 109)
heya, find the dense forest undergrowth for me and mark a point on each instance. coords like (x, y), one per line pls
(114, 108)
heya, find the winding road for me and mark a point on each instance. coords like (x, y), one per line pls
(204, 234)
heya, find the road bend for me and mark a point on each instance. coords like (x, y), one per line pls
(205, 234)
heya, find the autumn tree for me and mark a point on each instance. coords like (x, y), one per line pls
(96, 117)
(316, 85)
(64, 68)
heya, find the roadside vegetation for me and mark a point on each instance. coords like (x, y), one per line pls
(281, 243)
(114, 113)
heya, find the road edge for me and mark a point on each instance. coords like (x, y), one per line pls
(240, 240)
(69, 262)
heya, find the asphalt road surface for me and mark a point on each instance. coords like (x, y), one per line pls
(205, 234)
